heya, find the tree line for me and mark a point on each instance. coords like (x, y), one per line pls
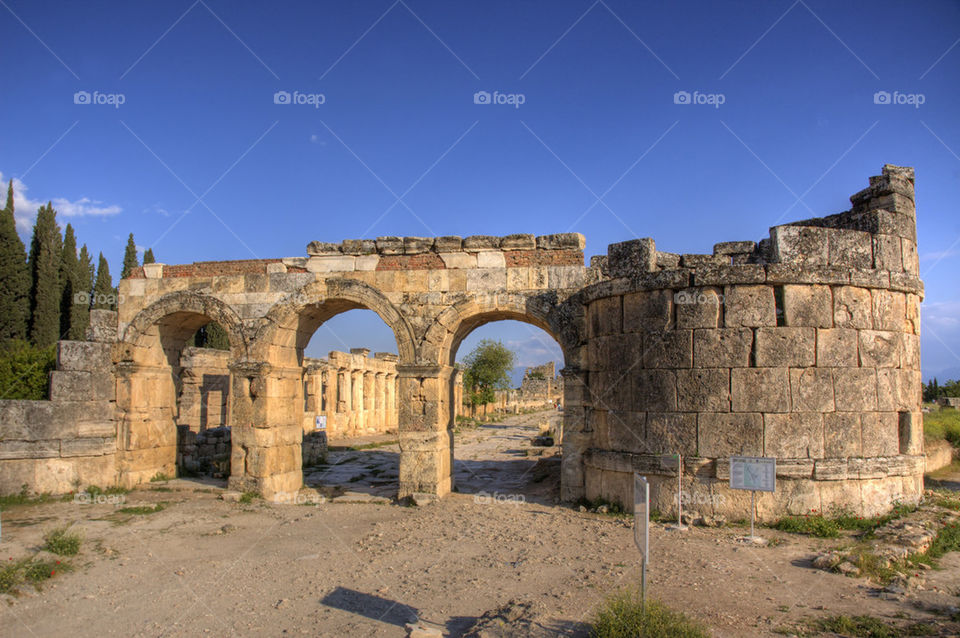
(46, 294)
(934, 390)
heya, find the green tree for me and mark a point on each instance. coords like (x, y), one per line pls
(213, 336)
(14, 277)
(148, 257)
(486, 370)
(83, 286)
(45, 256)
(104, 297)
(69, 279)
(129, 258)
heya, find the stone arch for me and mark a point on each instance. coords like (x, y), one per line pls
(156, 435)
(562, 321)
(293, 320)
(178, 315)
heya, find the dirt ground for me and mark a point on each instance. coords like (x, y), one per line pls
(205, 566)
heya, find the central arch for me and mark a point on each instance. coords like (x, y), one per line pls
(269, 440)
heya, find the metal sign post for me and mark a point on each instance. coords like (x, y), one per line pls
(641, 530)
(754, 473)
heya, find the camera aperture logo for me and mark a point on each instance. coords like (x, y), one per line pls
(511, 99)
(296, 97)
(98, 299)
(700, 99)
(101, 99)
(99, 498)
(899, 99)
(486, 498)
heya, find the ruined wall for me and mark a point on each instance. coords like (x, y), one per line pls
(203, 431)
(804, 347)
(70, 441)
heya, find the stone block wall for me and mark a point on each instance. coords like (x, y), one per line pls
(804, 346)
(70, 441)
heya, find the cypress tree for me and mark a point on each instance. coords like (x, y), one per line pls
(45, 256)
(103, 295)
(148, 257)
(80, 310)
(213, 336)
(14, 276)
(129, 258)
(69, 276)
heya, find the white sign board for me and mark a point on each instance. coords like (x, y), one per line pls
(322, 422)
(641, 515)
(753, 473)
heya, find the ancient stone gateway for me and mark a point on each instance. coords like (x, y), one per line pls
(803, 346)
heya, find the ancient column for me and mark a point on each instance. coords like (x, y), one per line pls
(356, 413)
(379, 407)
(575, 437)
(390, 400)
(426, 446)
(368, 393)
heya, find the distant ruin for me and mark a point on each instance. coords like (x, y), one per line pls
(803, 346)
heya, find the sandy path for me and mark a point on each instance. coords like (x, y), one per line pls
(204, 566)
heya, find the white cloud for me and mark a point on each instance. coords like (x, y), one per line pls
(536, 350)
(25, 208)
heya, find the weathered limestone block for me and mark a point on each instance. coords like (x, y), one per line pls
(783, 346)
(805, 245)
(760, 390)
(910, 352)
(11, 449)
(703, 390)
(837, 348)
(831, 469)
(562, 241)
(628, 258)
(698, 307)
(723, 347)
(87, 447)
(880, 349)
(794, 435)
(724, 435)
(604, 316)
(332, 263)
(887, 253)
(84, 355)
(322, 248)
(518, 242)
(367, 263)
(855, 389)
(734, 247)
(841, 434)
(749, 306)
(358, 247)
(417, 245)
(644, 311)
(911, 260)
(655, 390)
(798, 274)
(889, 310)
(880, 432)
(664, 260)
(448, 244)
(728, 275)
(811, 390)
(487, 279)
(459, 260)
(850, 248)
(491, 259)
(671, 433)
(910, 436)
(475, 243)
(913, 314)
(66, 385)
(689, 260)
(668, 349)
(852, 308)
(623, 430)
(103, 326)
(810, 305)
(390, 245)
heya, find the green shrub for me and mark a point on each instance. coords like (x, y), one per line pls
(28, 570)
(813, 525)
(943, 424)
(857, 626)
(621, 616)
(25, 370)
(143, 509)
(62, 542)
(158, 477)
(247, 497)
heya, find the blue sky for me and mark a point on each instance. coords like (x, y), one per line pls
(201, 163)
